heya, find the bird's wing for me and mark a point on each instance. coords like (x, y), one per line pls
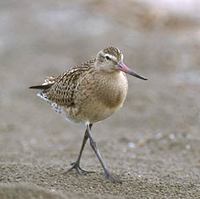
(64, 86)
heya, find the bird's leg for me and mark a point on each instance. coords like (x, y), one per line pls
(96, 150)
(76, 164)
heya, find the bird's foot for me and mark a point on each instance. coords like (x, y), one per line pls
(79, 170)
(111, 178)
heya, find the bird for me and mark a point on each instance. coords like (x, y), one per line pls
(89, 93)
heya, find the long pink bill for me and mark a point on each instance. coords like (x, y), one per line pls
(127, 70)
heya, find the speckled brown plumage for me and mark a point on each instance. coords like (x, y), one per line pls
(89, 93)
(85, 93)
(63, 89)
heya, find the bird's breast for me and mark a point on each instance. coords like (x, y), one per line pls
(99, 96)
(112, 90)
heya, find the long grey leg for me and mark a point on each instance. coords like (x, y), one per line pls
(76, 164)
(96, 150)
(83, 144)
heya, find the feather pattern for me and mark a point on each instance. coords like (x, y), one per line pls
(89, 92)
(63, 88)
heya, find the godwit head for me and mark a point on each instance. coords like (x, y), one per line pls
(111, 59)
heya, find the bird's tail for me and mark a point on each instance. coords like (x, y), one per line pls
(42, 87)
(48, 82)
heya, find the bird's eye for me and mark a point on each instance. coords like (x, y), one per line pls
(107, 57)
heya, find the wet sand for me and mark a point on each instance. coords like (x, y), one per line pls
(152, 143)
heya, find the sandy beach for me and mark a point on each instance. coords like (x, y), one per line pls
(152, 143)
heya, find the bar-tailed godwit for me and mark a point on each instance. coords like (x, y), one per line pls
(89, 93)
